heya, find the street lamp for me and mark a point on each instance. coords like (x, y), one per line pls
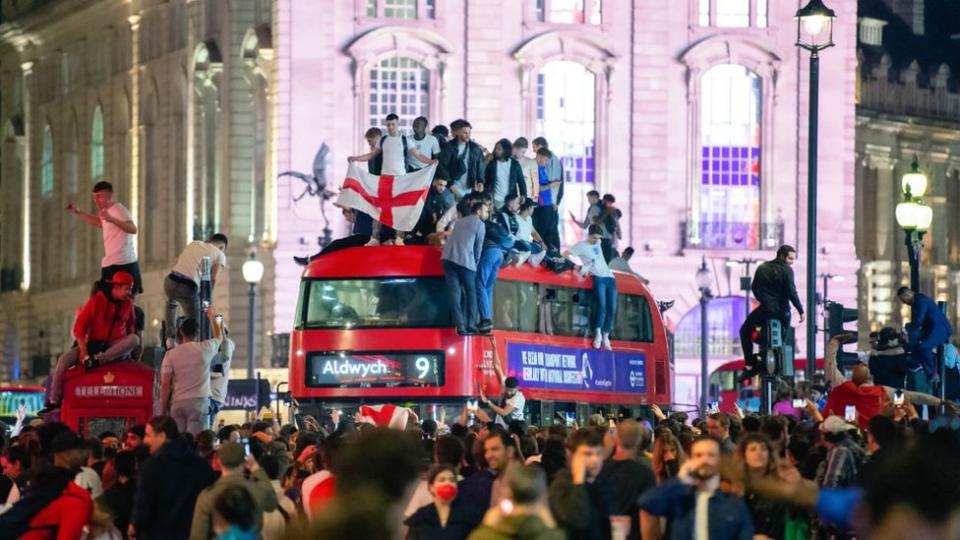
(704, 279)
(914, 217)
(252, 274)
(814, 33)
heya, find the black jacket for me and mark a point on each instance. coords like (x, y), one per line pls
(515, 184)
(774, 288)
(424, 524)
(582, 510)
(451, 166)
(168, 486)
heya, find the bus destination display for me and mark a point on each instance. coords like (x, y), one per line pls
(389, 369)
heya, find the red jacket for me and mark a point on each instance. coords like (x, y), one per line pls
(102, 319)
(869, 400)
(64, 518)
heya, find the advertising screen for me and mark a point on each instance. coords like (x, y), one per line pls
(370, 369)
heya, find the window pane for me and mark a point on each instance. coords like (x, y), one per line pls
(400, 9)
(761, 14)
(430, 8)
(566, 11)
(393, 302)
(733, 13)
(730, 157)
(46, 163)
(541, 13)
(596, 12)
(403, 81)
(515, 305)
(704, 12)
(371, 8)
(96, 146)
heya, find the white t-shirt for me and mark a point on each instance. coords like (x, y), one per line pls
(428, 146)
(392, 151)
(189, 365)
(88, 479)
(517, 413)
(500, 189)
(620, 265)
(592, 258)
(218, 381)
(188, 263)
(118, 245)
(525, 229)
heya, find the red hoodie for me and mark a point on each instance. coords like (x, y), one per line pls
(64, 518)
(103, 319)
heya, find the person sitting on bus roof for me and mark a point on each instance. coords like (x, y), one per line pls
(461, 256)
(496, 244)
(356, 239)
(604, 284)
(439, 201)
(527, 236)
(105, 332)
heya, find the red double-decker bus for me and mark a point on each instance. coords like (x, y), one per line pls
(373, 325)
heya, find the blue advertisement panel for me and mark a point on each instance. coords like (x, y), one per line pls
(571, 368)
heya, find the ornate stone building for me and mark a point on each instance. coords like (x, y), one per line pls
(693, 113)
(908, 105)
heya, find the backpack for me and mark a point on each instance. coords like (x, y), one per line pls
(379, 159)
(15, 522)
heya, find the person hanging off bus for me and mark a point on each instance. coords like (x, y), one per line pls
(774, 288)
(927, 330)
(105, 332)
(496, 243)
(182, 284)
(460, 259)
(592, 262)
(510, 405)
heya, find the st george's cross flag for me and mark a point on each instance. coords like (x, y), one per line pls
(389, 416)
(394, 200)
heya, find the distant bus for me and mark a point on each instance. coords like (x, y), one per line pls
(373, 325)
(728, 388)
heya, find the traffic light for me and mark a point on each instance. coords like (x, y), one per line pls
(776, 348)
(837, 316)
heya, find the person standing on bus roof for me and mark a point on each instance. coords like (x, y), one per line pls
(604, 285)
(774, 288)
(496, 242)
(510, 406)
(461, 256)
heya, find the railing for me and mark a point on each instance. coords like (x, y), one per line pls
(732, 235)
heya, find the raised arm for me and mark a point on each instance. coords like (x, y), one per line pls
(89, 218)
(127, 226)
(365, 157)
(834, 376)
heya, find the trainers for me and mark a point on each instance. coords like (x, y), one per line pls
(606, 342)
(373, 242)
(522, 257)
(48, 408)
(91, 363)
(302, 261)
(598, 340)
(398, 241)
(485, 326)
(537, 258)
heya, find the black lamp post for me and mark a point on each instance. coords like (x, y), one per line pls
(252, 271)
(914, 217)
(814, 33)
(704, 278)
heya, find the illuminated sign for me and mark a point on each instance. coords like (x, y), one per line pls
(571, 368)
(345, 369)
(118, 391)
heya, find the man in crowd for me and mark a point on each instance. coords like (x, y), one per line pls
(182, 284)
(594, 209)
(529, 515)
(134, 436)
(547, 217)
(528, 166)
(626, 477)
(621, 263)
(425, 144)
(693, 504)
(185, 376)
(169, 483)
(503, 176)
(927, 330)
(118, 499)
(579, 499)
(496, 242)
(718, 426)
(234, 466)
(609, 222)
(104, 331)
(462, 159)
(460, 259)
(119, 247)
(220, 374)
(480, 490)
(775, 290)
(510, 406)
(439, 201)
(845, 456)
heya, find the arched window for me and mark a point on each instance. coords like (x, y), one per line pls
(46, 163)
(399, 85)
(96, 145)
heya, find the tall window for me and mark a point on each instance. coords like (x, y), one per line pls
(570, 11)
(730, 157)
(733, 13)
(96, 145)
(46, 163)
(399, 85)
(566, 93)
(402, 9)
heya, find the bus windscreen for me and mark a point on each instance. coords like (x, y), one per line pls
(380, 369)
(374, 303)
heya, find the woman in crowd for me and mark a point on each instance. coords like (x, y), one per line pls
(759, 460)
(668, 456)
(444, 518)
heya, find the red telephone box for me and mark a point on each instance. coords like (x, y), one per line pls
(110, 398)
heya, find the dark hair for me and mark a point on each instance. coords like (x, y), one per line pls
(125, 464)
(902, 290)
(541, 142)
(392, 116)
(19, 453)
(704, 438)
(883, 429)
(609, 198)
(94, 446)
(189, 328)
(521, 142)
(475, 208)
(774, 427)
(164, 424)
(504, 437)
(627, 251)
(595, 229)
(759, 438)
(103, 186)
(448, 451)
(440, 130)
(219, 237)
(527, 204)
(456, 124)
(722, 418)
(544, 152)
(785, 250)
(236, 506)
(270, 465)
(140, 430)
(590, 436)
(381, 459)
(527, 483)
(511, 382)
(420, 119)
(751, 424)
(372, 132)
(593, 193)
(510, 198)
(507, 147)
(437, 469)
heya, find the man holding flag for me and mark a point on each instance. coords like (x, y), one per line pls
(394, 188)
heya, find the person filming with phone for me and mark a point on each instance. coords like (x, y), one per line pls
(185, 375)
(510, 405)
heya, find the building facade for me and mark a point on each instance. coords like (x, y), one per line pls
(693, 113)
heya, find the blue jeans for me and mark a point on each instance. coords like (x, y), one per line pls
(605, 291)
(490, 261)
(214, 409)
(523, 245)
(459, 277)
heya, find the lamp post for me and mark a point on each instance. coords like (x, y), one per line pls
(704, 278)
(252, 274)
(814, 33)
(914, 217)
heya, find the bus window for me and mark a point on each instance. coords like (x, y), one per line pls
(515, 305)
(634, 322)
(389, 302)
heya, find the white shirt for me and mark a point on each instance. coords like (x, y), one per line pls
(517, 413)
(502, 185)
(219, 381)
(88, 479)
(621, 265)
(118, 245)
(392, 151)
(188, 263)
(188, 364)
(428, 146)
(525, 229)
(701, 529)
(592, 258)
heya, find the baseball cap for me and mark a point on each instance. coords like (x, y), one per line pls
(835, 424)
(511, 382)
(231, 455)
(122, 278)
(67, 441)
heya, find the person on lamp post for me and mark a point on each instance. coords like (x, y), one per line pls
(927, 330)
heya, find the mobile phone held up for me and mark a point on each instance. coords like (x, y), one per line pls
(799, 404)
(898, 398)
(850, 413)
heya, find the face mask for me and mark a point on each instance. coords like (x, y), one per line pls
(447, 492)
(673, 467)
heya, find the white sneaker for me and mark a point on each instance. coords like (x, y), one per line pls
(522, 257)
(372, 242)
(537, 258)
(597, 340)
(398, 241)
(606, 342)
